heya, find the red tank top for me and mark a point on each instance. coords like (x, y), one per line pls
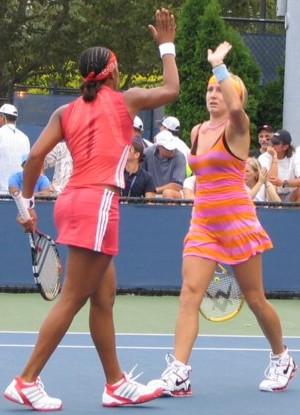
(98, 135)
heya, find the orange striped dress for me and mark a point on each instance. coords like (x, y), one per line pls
(224, 226)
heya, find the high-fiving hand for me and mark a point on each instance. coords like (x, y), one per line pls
(164, 29)
(216, 57)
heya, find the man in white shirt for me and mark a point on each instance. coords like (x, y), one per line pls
(283, 166)
(13, 145)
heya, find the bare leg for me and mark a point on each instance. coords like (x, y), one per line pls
(197, 273)
(84, 270)
(102, 325)
(249, 276)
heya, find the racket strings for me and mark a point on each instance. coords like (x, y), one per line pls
(47, 267)
(223, 297)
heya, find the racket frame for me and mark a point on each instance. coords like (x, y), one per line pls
(229, 316)
(33, 242)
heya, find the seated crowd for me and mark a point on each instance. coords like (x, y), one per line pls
(159, 168)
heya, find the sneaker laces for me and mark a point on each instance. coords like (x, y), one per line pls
(171, 362)
(130, 377)
(270, 372)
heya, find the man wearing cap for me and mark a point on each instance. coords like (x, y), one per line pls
(283, 166)
(265, 133)
(172, 124)
(138, 128)
(166, 164)
(43, 185)
(13, 144)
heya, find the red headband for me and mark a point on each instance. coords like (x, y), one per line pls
(110, 66)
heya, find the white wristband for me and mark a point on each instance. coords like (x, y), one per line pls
(167, 49)
(29, 203)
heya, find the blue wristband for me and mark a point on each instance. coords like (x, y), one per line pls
(221, 72)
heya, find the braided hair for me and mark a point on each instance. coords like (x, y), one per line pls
(92, 60)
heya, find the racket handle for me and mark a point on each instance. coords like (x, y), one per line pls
(17, 195)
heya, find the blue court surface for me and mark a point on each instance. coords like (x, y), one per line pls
(225, 377)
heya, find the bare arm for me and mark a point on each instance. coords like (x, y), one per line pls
(188, 193)
(141, 98)
(271, 193)
(171, 185)
(237, 130)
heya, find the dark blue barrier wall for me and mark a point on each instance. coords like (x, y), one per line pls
(150, 246)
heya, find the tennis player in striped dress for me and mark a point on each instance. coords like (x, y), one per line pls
(224, 228)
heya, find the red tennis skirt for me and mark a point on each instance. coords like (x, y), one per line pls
(88, 218)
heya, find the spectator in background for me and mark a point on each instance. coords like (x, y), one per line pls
(265, 133)
(172, 124)
(257, 182)
(138, 129)
(43, 185)
(59, 158)
(13, 145)
(167, 166)
(283, 166)
(189, 187)
(138, 182)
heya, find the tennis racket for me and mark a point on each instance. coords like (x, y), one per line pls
(46, 264)
(223, 299)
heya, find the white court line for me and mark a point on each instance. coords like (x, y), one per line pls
(86, 333)
(223, 349)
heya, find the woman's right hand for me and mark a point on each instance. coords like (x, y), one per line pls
(28, 225)
(164, 29)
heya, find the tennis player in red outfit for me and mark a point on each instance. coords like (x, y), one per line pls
(97, 128)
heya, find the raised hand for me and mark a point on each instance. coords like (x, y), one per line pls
(216, 57)
(164, 29)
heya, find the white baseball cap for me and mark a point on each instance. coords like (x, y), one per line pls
(9, 109)
(165, 139)
(171, 123)
(138, 123)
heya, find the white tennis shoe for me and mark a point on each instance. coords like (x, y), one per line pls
(175, 380)
(129, 392)
(31, 394)
(278, 374)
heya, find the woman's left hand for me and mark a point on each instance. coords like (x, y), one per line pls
(216, 57)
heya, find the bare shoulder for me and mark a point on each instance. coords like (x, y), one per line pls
(194, 132)
(60, 110)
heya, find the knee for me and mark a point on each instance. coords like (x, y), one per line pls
(256, 305)
(73, 303)
(190, 295)
(103, 301)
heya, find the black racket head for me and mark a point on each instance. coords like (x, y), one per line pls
(223, 298)
(47, 268)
